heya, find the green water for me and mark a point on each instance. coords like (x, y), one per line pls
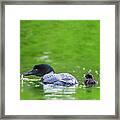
(70, 46)
(33, 90)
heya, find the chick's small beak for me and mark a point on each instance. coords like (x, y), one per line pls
(31, 72)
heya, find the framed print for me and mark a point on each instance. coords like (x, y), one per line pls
(60, 59)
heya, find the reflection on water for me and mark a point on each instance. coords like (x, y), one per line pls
(59, 92)
(44, 57)
(32, 89)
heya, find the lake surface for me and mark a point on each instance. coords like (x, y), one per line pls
(69, 46)
(34, 90)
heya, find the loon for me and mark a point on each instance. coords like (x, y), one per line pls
(48, 76)
(89, 80)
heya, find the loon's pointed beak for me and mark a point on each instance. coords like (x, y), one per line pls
(31, 72)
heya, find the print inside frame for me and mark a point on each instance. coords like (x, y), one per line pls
(71, 46)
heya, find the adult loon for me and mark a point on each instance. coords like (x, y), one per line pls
(48, 76)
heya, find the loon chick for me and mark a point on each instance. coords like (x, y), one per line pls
(89, 81)
(50, 77)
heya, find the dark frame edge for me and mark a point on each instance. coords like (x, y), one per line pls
(118, 86)
(117, 38)
(61, 117)
(62, 2)
(2, 59)
(0, 66)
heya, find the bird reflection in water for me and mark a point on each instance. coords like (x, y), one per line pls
(54, 92)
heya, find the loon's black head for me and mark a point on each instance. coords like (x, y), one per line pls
(89, 76)
(40, 70)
